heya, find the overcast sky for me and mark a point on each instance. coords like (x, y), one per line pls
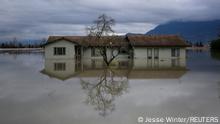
(30, 19)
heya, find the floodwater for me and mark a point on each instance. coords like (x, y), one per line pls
(34, 90)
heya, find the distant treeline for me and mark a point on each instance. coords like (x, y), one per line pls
(215, 44)
(215, 48)
(19, 45)
(16, 44)
(196, 44)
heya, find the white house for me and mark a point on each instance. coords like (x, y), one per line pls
(140, 48)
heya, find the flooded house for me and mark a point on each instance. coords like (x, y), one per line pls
(135, 47)
(68, 56)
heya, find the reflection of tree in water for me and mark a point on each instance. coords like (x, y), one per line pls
(103, 93)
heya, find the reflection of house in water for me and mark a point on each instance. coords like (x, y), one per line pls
(145, 69)
(159, 63)
(60, 68)
(64, 69)
(140, 69)
(158, 68)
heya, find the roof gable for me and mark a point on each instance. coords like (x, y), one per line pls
(54, 39)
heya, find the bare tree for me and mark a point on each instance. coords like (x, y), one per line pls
(101, 28)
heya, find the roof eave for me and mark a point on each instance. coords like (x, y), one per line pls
(58, 40)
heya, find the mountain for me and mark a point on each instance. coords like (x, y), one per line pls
(191, 31)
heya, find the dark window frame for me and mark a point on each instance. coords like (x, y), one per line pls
(156, 53)
(59, 51)
(123, 51)
(95, 52)
(175, 52)
(149, 53)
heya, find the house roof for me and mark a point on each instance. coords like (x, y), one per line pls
(117, 41)
(90, 40)
(157, 41)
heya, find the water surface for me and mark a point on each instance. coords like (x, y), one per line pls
(34, 90)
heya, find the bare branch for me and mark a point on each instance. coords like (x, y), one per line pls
(103, 27)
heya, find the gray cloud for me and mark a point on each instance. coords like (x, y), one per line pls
(40, 18)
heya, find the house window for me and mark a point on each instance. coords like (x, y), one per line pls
(95, 52)
(59, 66)
(123, 51)
(156, 53)
(59, 51)
(175, 52)
(149, 53)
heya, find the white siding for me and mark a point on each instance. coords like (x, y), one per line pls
(140, 53)
(164, 53)
(183, 53)
(70, 50)
(87, 54)
(165, 59)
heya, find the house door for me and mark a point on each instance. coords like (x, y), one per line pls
(78, 52)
